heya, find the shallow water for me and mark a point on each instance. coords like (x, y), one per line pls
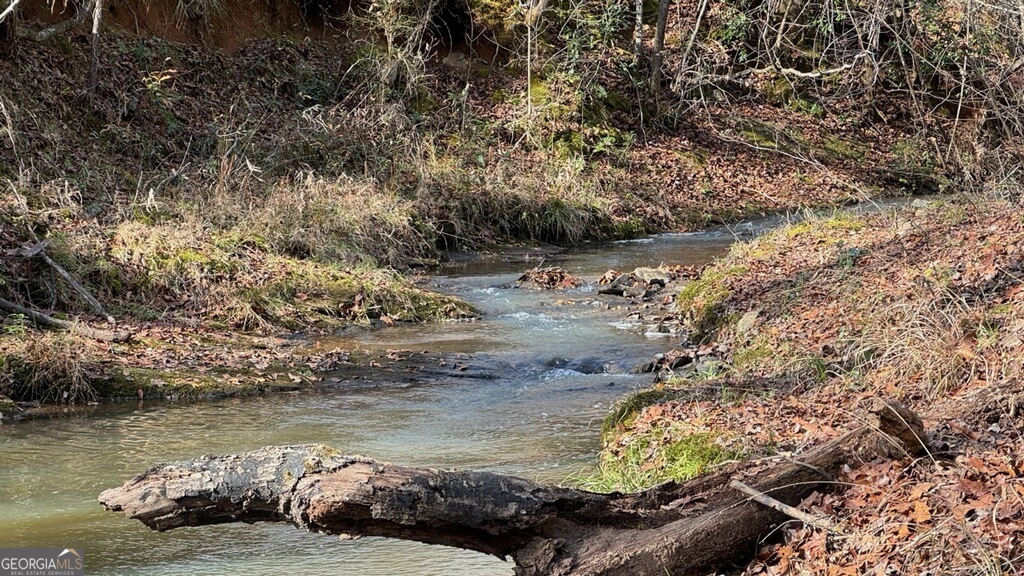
(559, 368)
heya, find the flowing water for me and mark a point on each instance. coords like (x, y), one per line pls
(551, 373)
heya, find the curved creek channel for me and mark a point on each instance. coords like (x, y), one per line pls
(542, 377)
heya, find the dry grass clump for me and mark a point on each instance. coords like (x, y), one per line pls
(930, 344)
(337, 220)
(49, 367)
(534, 196)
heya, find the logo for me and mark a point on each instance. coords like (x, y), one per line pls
(42, 562)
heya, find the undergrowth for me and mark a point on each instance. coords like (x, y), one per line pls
(49, 369)
(242, 276)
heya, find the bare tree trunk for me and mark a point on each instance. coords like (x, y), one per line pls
(684, 65)
(659, 45)
(94, 60)
(536, 13)
(638, 31)
(546, 530)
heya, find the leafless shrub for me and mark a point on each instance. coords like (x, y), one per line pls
(956, 62)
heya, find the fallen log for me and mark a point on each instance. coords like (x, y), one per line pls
(546, 530)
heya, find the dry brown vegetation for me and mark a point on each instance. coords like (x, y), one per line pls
(49, 368)
(215, 177)
(922, 304)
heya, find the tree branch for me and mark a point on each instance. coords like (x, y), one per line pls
(9, 10)
(786, 509)
(76, 327)
(546, 530)
(38, 250)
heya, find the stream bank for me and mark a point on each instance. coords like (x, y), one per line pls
(525, 390)
(183, 361)
(541, 376)
(812, 320)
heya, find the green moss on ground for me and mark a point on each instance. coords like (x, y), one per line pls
(655, 457)
(628, 407)
(702, 301)
(182, 384)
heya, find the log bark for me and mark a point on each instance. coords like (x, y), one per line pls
(546, 530)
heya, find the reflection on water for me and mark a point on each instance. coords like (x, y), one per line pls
(53, 470)
(540, 420)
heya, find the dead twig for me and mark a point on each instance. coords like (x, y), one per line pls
(76, 327)
(38, 250)
(762, 498)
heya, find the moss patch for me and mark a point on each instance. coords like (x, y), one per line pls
(627, 409)
(9, 410)
(654, 458)
(231, 281)
(702, 301)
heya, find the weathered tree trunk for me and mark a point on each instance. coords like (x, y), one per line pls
(659, 47)
(94, 57)
(673, 528)
(638, 30)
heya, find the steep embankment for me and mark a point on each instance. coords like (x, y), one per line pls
(254, 167)
(925, 305)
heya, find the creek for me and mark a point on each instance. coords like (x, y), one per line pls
(542, 375)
